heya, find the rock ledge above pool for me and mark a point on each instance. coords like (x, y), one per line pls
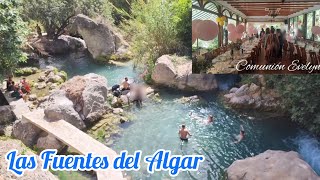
(272, 165)
(176, 72)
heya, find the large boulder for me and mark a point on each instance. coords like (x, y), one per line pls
(101, 39)
(74, 44)
(253, 96)
(63, 45)
(272, 165)
(10, 144)
(48, 141)
(6, 115)
(79, 101)
(60, 107)
(173, 71)
(26, 132)
(88, 94)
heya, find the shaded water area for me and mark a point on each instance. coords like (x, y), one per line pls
(156, 125)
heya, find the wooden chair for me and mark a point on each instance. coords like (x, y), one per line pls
(313, 58)
(303, 59)
(254, 58)
(291, 51)
(298, 55)
(285, 49)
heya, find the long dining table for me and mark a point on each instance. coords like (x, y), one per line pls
(226, 63)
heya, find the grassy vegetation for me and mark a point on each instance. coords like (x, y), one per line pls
(300, 97)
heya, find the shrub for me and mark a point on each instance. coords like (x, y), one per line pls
(158, 27)
(300, 96)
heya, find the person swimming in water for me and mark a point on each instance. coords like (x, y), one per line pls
(209, 120)
(241, 135)
(184, 133)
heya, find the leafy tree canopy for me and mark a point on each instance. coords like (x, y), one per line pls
(159, 27)
(12, 33)
(54, 15)
(300, 96)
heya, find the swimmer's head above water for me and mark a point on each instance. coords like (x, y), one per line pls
(183, 126)
(210, 118)
(242, 132)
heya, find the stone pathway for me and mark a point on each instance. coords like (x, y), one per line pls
(75, 138)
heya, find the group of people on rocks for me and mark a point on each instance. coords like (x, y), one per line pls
(126, 88)
(272, 41)
(18, 90)
(184, 133)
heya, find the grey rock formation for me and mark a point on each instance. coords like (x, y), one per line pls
(176, 72)
(26, 132)
(272, 165)
(101, 39)
(60, 107)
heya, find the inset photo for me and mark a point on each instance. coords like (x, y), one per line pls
(256, 37)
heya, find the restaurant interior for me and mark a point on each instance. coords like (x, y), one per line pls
(229, 35)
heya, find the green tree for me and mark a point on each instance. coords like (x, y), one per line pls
(158, 27)
(121, 10)
(55, 15)
(12, 32)
(184, 22)
(301, 97)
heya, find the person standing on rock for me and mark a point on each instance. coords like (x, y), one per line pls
(184, 133)
(38, 31)
(139, 93)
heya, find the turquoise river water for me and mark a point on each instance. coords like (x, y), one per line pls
(156, 125)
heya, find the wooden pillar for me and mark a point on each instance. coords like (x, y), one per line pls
(305, 17)
(220, 39)
(237, 21)
(313, 23)
(220, 35)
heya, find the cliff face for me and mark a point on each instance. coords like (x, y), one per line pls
(272, 165)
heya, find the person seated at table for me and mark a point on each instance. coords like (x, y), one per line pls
(25, 86)
(125, 84)
(10, 84)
